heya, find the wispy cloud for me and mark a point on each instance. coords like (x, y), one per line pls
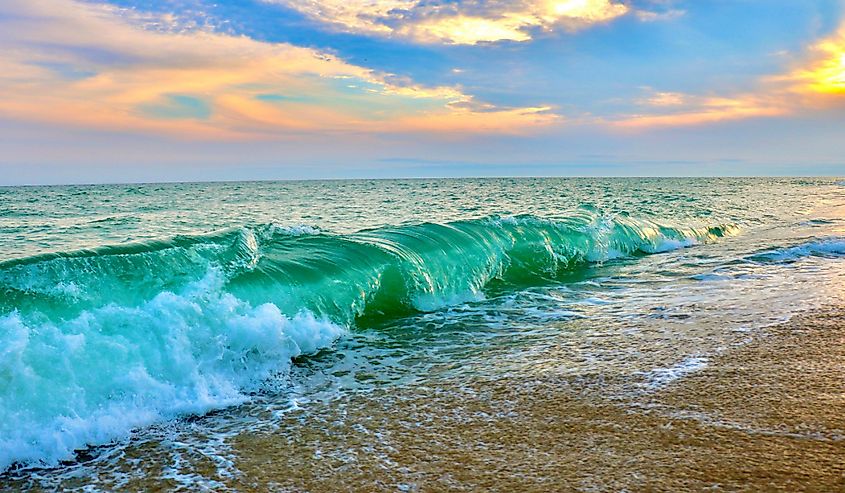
(666, 15)
(98, 66)
(468, 22)
(675, 110)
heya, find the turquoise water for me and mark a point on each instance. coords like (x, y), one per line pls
(127, 308)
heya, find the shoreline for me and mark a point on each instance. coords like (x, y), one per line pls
(766, 415)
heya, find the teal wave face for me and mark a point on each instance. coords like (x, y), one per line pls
(413, 267)
(94, 343)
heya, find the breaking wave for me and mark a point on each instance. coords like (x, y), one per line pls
(95, 343)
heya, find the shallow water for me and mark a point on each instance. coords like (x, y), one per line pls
(147, 332)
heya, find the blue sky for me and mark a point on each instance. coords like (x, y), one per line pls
(280, 89)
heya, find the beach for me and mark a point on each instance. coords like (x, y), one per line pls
(766, 416)
(637, 342)
(769, 415)
(422, 246)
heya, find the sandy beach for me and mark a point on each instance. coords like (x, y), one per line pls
(767, 416)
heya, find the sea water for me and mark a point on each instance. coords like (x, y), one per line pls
(130, 312)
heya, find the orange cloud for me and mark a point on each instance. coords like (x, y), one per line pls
(208, 85)
(693, 110)
(505, 121)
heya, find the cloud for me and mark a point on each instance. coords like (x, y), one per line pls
(685, 110)
(823, 70)
(814, 82)
(102, 67)
(467, 23)
(656, 98)
(666, 15)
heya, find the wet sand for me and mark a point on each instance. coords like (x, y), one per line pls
(765, 416)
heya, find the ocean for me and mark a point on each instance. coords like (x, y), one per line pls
(320, 334)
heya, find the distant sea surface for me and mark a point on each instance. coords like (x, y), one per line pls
(147, 331)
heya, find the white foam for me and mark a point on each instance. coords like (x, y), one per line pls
(94, 378)
(663, 245)
(428, 302)
(823, 247)
(660, 377)
(296, 230)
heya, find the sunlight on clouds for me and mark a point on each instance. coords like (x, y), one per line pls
(459, 23)
(467, 30)
(203, 84)
(824, 73)
(588, 10)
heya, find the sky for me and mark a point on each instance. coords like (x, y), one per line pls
(197, 90)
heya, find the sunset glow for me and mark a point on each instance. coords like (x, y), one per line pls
(548, 82)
